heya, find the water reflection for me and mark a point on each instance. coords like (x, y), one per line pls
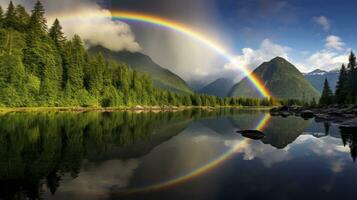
(178, 155)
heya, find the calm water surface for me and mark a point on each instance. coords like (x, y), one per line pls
(191, 154)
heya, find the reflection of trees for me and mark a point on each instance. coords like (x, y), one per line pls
(327, 126)
(37, 149)
(349, 138)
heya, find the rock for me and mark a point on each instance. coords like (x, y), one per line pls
(252, 134)
(274, 112)
(307, 114)
(352, 123)
(334, 111)
(347, 115)
(322, 117)
(138, 107)
(285, 114)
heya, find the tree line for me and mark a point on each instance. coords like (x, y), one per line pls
(346, 89)
(39, 66)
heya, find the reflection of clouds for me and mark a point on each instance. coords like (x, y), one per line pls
(100, 179)
(328, 147)
(200, 138)
(269, 155)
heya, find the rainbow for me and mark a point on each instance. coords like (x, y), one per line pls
(180, 28)
(239, 147)
(175, 26)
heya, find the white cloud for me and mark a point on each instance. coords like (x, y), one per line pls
(88, 20)
(253, 58)
(100, 179)
(268, 154)
(331, 57)
(334, 42)
(323, 21)
(327, 60)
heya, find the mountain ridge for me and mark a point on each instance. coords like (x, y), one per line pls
(162, 77)
(318, 76)
(281, 78)
(220, 87)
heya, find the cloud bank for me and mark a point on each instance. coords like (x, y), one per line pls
(87, 19)
(252, 58)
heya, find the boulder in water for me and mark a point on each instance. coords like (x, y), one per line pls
(307, 114)
(252, 134)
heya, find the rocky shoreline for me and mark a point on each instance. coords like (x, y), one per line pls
(344, 115)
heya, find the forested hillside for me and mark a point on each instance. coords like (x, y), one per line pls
(39, 66)
(162, 78)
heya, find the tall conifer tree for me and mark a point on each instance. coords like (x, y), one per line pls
(341, 87)
(327, 95)
(10, 20)
(38, 23)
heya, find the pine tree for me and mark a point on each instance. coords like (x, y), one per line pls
(352, 61)
(76, 62)
(352, 77)
(57, 35)
(38, 23)
(10, 20)
(95, 75)
(22, 18)
(327, 95)
(341, 87)
(1, 16)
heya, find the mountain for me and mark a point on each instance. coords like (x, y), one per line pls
(281, 78)
(163, 78)
(317, 78)
(219, 87)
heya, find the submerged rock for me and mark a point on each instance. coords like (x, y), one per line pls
(252, 134)
(307, 114)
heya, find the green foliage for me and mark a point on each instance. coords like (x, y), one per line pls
(341, 88)
(10, 20)
(56, 34)
(327, 95)
(346, 89)
(162, 78)
(22, 17)
(37, 23)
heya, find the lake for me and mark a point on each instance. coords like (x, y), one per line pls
(191, 154)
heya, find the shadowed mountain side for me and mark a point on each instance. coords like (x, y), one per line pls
(163, 78)
(281, 78)
(317, 78)
(219, 87)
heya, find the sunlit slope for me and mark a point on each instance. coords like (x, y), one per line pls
(281, 78)
(162, 77)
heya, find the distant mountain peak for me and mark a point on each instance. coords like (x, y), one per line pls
(281, 78)
(220, 87)
(317, 72)
(318, 76)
